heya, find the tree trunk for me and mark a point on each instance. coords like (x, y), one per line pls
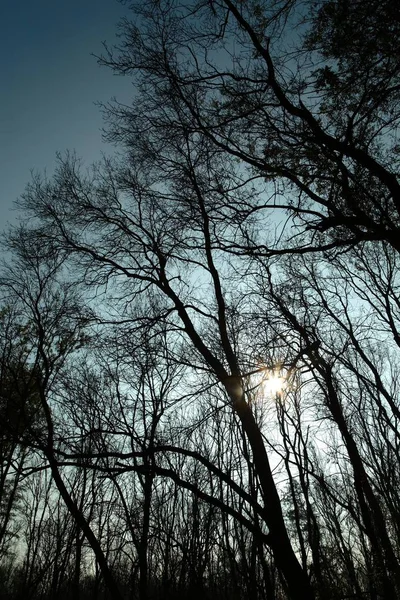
(86, 529)
(296, 579)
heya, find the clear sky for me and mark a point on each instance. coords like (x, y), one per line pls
(50, 83)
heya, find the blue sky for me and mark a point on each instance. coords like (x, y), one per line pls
(50, 83)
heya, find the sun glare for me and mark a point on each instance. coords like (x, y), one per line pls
(274, 384)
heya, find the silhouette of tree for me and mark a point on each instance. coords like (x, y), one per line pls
(250, 222)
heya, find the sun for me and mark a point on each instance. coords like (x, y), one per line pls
(274, 384)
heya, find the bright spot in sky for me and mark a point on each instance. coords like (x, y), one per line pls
(274, 384)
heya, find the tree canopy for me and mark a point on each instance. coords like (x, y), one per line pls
(247, 228)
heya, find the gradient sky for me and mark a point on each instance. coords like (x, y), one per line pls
(50, 83)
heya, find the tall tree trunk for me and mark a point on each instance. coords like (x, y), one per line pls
(296, 579)
(86, 529)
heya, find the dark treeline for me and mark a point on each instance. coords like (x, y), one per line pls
(199, 341)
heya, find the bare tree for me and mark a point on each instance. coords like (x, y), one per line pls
(251, 224)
